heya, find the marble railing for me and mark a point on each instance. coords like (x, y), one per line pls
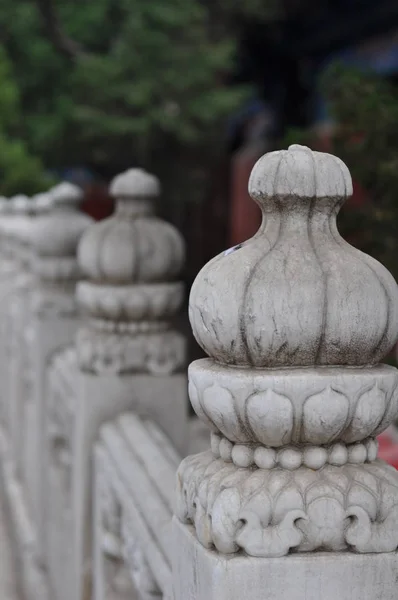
(289, 499)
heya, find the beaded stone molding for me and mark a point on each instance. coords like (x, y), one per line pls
(293, 457)
(295, 322)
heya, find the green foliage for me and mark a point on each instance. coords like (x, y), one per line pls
(146, 82)
(20, 172)
(149, 72)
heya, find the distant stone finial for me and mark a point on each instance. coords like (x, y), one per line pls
(296, 294)
(42, 203)
(135, 183)
(5, 206)
(132, 246)
(295, 321)
(20, 204)
(56, 231)
(66, 195)
(133, 260)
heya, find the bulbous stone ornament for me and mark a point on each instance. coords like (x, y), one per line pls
(132, 261)
(132, 246)
(59, 224)
(296, 293)
(295, 322)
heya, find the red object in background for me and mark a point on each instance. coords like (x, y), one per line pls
(388, 446)
(97, 202)
(245, 214)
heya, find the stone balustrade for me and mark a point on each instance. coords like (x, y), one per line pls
(285, 497)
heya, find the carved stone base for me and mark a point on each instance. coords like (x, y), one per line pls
(207, 575)
(271, 512)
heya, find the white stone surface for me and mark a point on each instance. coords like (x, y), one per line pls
(135, 467)
(53, 324)
(8, 574)
(201, 573)
(296, 322)
(30, 579)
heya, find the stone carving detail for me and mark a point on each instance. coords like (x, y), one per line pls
(300, 193)
(133, 246)
(271, 512)
(53, 303)
(295, 321)
(275, 408)
(157, 353)
(130, 302)
(132, 260)
(293, 457)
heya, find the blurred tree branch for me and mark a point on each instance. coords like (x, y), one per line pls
(61, 42)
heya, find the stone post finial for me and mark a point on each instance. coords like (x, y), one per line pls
(295, 322)
(296, 294)
(55, 233)
(20, 205)
(66, 195)
(132, 260)
(42, 203)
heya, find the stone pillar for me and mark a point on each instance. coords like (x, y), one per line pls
(132, 261)
(127, 356)
(53, 321)
(291, 501)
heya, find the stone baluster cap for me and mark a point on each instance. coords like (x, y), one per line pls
(135, 183)
(20, 204)
(18, 228)
(56, 231)
(66, 195)
(4, 205)
(132, 246)
(296, 294)
(132, 261)
(42, 203)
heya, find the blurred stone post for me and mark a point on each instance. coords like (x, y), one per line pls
(53, 320)
(127, 355)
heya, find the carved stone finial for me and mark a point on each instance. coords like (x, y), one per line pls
(56, 231)
(132, 246)
(295, 321)
(4, 205)
(132, 260)
(17, 230)
(42, 203)
(135, 183)
(296, 294)
(20, 204)
(66, 195)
